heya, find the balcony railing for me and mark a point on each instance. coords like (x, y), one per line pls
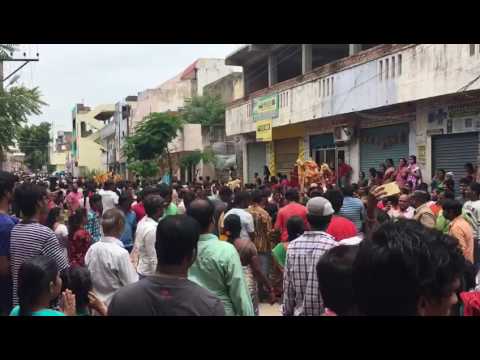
(403, 74)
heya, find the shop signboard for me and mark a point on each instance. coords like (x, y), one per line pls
(265, 107)
(264, 130)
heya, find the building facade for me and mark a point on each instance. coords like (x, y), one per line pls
(87, 150)
(227, 150)
(172, 96)
(362, 103)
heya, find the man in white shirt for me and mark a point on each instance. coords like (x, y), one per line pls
(242, 201)
(109, 263)
(109, 197)
(144, 254)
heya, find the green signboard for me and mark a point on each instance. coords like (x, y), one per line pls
(265, 107)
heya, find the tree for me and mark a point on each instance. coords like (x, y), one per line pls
(150, 140)
(206, 110)
(33, 141)
(17, 103)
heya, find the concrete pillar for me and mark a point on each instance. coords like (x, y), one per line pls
(306, 58)
(272, 70)
(354, 48)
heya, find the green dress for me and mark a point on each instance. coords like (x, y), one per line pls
(279, 253)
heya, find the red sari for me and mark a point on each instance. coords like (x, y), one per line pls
(78, 246)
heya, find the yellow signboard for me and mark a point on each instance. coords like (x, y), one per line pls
(421, 154)
(264, 130)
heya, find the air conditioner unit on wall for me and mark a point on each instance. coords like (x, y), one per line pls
(343, 134)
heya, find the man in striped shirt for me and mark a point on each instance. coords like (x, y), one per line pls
(352, 208)
(29, 238)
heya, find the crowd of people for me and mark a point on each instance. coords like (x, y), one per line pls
(70, 246)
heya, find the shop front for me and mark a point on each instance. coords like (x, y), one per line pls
(452, 130)
(452, 152)
(380, 143)
(256, 160)
(288, 146)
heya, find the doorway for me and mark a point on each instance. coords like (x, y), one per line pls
(330, 156)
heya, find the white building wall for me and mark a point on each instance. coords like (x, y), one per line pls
(427, 70)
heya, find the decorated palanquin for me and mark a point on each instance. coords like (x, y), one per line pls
(309, 172)
(103, 178)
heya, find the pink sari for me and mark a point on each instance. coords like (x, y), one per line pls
(401, 178)
(414, 175)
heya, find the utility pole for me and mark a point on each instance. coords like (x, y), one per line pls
(3, 79)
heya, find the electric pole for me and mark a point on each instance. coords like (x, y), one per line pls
(4, 78)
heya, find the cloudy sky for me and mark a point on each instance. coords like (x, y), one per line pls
(96, 74)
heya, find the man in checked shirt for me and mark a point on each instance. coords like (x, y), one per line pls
(301, 295)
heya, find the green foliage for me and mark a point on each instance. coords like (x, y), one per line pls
(206, 110)
(145, 168)
(16, 104)
(195, 157)
(152, 137)
(33, 141)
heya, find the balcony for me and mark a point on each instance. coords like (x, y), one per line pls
(377, 77)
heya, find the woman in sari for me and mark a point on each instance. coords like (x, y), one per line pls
(414, 173)
(249, 259)
(402, 173)
(390, 172)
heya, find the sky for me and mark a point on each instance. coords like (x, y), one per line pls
(98, 74)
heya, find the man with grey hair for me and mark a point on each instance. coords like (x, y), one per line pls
(300, 284)
(109, 263)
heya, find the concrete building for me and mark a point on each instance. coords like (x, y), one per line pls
(228, 150)
(86, 147)
(118, 126)
(13, 160)
(60, 150)
(362, 103)
(172, 96)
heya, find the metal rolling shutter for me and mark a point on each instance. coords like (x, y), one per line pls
(257, 159)
(451, 152)
(372, 151)
(286, 155)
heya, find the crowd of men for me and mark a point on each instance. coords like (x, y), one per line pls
(69, 246)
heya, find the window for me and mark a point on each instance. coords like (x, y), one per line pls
(386, 68)
(320, 88)
(328, 87)
(323, 87)
(281, 98)
(399, 64)
(331, 92)
(286, 99)
(393, 67)
(472, 49)
(381, 70)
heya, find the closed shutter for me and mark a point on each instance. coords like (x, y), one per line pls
(379, 144)
(286, 155)
(257, 159)
(451, 152)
